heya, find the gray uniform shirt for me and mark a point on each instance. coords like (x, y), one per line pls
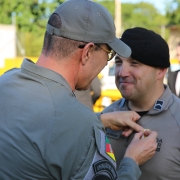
(45, 133)
(163, 117)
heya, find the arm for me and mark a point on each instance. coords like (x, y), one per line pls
(121, 120)
(128, 170)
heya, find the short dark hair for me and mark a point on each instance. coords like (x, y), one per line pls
(55, 46)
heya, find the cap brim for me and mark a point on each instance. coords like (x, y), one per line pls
(120, 48)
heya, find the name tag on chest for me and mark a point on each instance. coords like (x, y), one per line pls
(113, 134)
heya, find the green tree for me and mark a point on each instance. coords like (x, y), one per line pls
(137, 14)
(143, 15)
(173, 12)
(108, 4)
(30, 18)
(28, 15)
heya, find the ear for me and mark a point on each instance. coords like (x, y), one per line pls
(87, 52)
(161, 73)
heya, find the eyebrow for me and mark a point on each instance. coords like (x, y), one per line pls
(129, 59)
(117, 56)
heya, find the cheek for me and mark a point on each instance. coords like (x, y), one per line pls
(117, 81)
(101, 59)
(101, 64)
(145, 80)
(97, 68)
(116, 71)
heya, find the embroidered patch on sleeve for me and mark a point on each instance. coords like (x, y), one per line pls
(109, 150)
(100, 177)
(103, 168)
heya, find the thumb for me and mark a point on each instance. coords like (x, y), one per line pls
(138, 136)
(151, 134)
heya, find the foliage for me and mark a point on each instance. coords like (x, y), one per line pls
(137, 14)
(143, 15)
(31, 42)
(31, 17)
(108, 4)
(27, 15)
(173, 12)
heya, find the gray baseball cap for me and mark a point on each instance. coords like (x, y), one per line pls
(87, 21)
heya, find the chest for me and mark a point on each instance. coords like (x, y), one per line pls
(165, 164)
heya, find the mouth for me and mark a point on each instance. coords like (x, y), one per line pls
(125, 83)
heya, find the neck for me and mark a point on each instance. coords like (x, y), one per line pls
(67, 67)
(146, 102)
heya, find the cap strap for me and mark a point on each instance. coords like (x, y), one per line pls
(52, 30)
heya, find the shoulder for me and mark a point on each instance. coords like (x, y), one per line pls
(174, 108)
(113, 105)
(175, 103)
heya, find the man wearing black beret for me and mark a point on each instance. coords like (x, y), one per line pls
(139, 78)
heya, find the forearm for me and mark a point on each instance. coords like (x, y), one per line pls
(104, 118)
(128, 170)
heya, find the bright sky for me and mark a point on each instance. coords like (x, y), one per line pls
(159, 4)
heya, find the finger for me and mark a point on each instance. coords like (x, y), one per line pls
(115, 127)
(135, 116)
(137, 136)
(150, 134)
(135, 126)
(127, 132)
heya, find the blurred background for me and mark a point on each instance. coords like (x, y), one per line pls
(23, 23)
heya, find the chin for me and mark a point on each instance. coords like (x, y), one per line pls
(125, 95)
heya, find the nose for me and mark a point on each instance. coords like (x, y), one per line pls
(123, 71)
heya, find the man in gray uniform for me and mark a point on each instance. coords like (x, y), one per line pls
(45, 132)
(140, 81)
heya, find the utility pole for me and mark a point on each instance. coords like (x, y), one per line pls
(18, 43)
(118, 17)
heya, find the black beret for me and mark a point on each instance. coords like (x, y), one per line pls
(147, 47)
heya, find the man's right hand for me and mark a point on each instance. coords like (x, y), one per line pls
(142, 149)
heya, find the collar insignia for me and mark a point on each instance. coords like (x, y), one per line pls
(158, 105)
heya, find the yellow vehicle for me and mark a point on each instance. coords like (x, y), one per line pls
(175, 65)
(10, 63)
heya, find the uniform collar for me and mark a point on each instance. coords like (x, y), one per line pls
(45, 73)
(161, 104)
